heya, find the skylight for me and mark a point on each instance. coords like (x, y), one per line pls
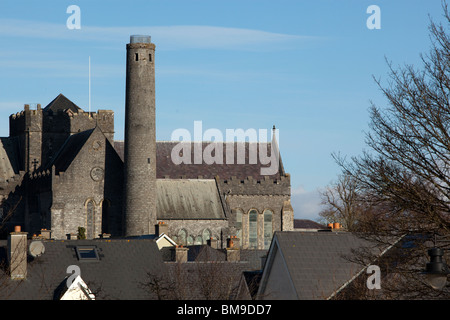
(87, 253)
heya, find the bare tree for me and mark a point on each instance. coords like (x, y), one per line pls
(342, 202)
(405, 175)
(207, 278)
(409, 163)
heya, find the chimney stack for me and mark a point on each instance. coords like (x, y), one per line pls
(213, 243)
(232, 250)
(161, 228)
(180, 254)
(46, 234)
(17, 254)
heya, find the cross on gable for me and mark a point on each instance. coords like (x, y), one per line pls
(35, 162)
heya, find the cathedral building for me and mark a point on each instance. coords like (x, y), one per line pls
(61, 169)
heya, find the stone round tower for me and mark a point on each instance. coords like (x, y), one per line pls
(140, 138)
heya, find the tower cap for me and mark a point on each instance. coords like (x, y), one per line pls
(140, 39)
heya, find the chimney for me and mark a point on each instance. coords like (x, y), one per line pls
(46, 234)
(213, 243)
(180, 254)
(232, 250)
(161, 228)
(233, 242)
(17, 254)
(72, 236)
(336, 226)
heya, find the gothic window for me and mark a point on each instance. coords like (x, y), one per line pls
(238, 224)
(268, 216)
(182, 237)
(90, 219)
(198, 240)
(189, 241)
(206, 235)
(253, 229)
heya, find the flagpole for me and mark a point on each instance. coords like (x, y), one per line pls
(89, 85)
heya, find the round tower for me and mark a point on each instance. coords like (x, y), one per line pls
(140, 138)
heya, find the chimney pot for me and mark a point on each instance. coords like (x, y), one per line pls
(17, 229)
(336, 226)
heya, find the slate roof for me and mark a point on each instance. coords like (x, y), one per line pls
(165, 167)
(252, 280)
(317, 262)
(307, 224)
(209, 280)
(9, 158)
(188, 199)
(61, 103)
(118, 275)
(205, 253)
(70, 150)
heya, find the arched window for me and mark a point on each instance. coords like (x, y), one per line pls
(182, 237)
(198, 240)
(253, 229)
(90, 219)
(268, 216)
(189, 241)
(206, 235)
(238, 225)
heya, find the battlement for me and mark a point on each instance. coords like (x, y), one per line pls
(68, 121)
(25, 120)
(39, 174)
(251, 186)
(9, 185)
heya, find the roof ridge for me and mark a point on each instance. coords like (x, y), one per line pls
(61, 101)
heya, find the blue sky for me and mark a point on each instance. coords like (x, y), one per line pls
(305, 66)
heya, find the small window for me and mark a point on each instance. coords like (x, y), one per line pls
(87, 253)
(253, 229)
(137, 56)
(268, 217)
(150, 57)
(206, 235)
(198, 241)
(182, 237)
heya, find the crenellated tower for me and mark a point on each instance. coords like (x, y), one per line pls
(26, 127)
(140, 138)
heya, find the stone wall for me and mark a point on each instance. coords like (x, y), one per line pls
(83, 183)
(218, 229)
(260, 203)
